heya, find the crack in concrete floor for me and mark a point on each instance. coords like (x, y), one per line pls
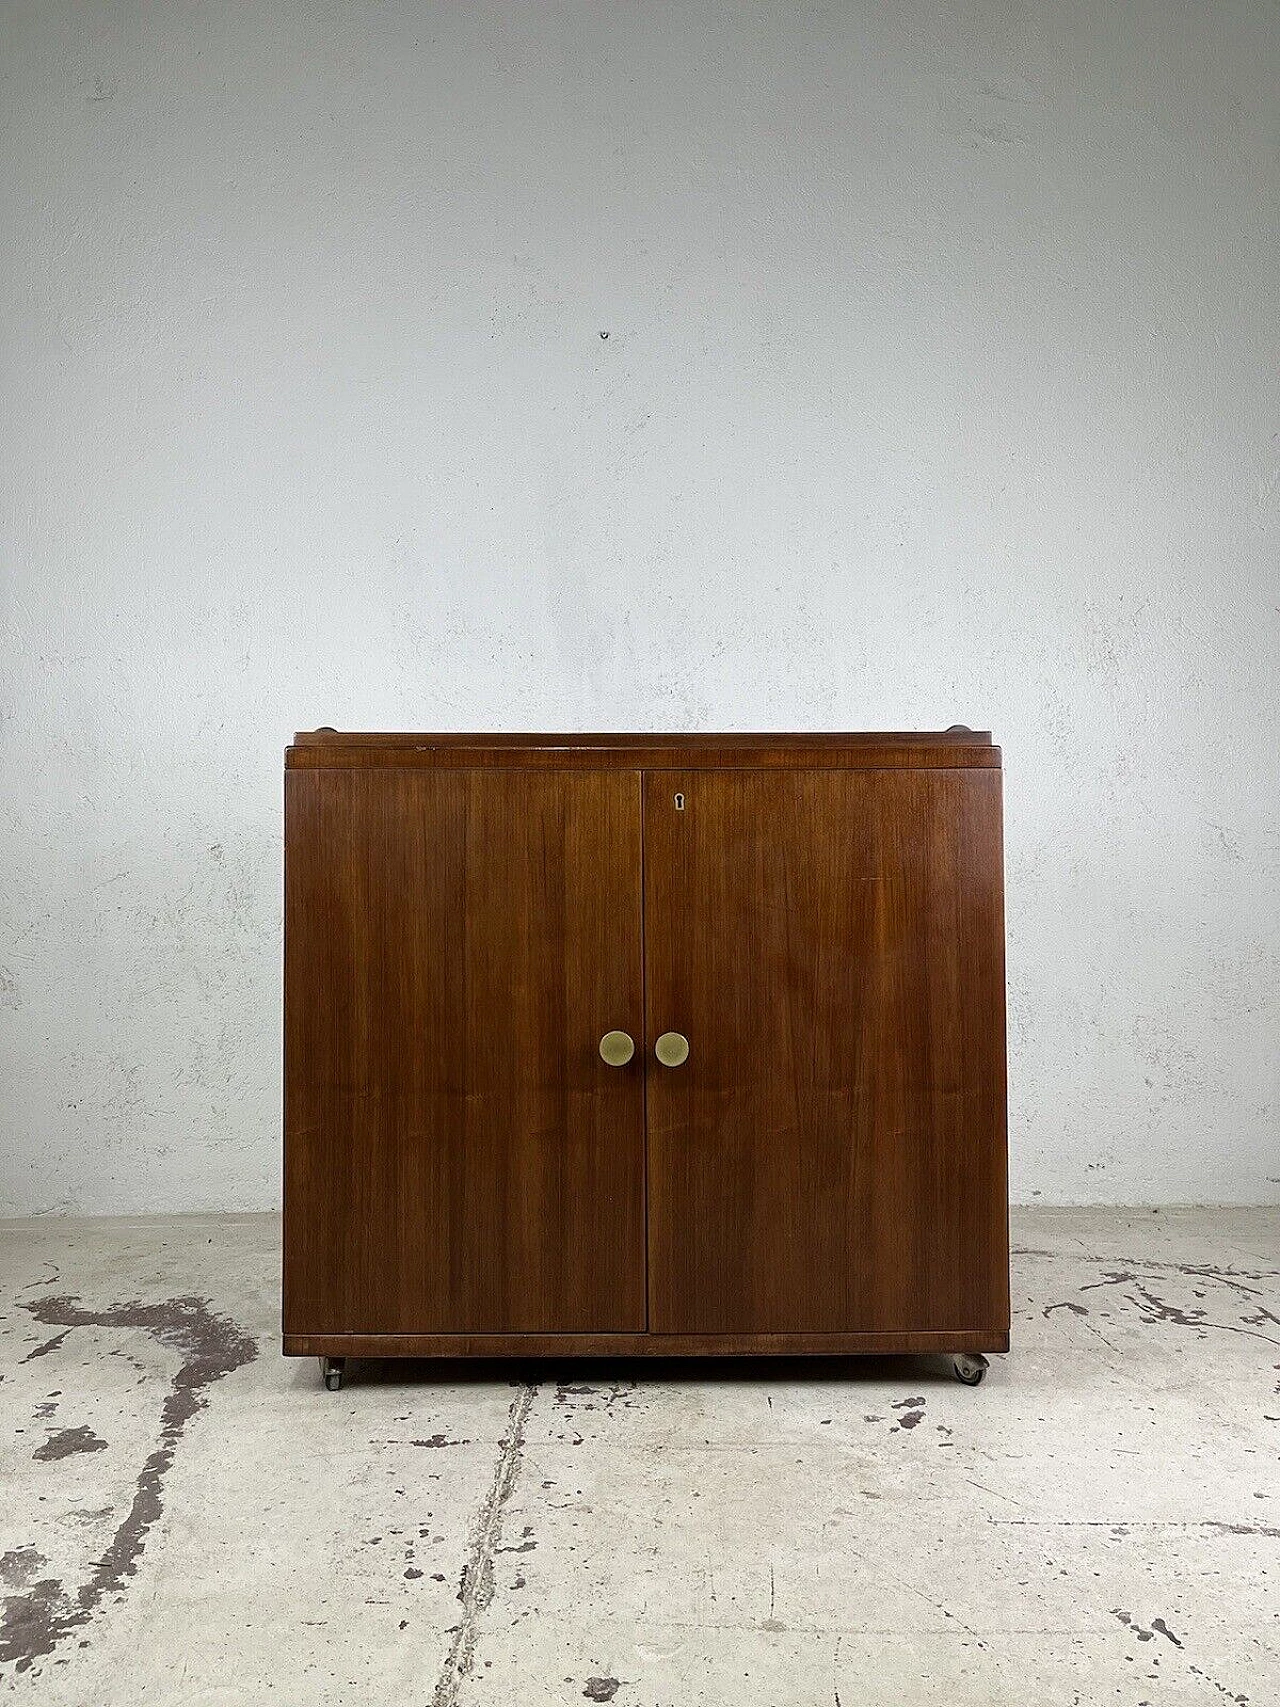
(476, 1589)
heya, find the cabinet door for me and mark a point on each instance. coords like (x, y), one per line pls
(831, 1155)
(458, 1158)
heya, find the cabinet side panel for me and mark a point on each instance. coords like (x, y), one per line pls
(984, 1030)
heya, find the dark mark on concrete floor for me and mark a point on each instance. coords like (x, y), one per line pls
(607, 1394)
(439, 1440)
(1121, 1526)
(33, 1622)
(1075, 1309)
(475, 1590)
(601, 1688)
(1158, 1627)
(210, 1346)
(47, 1347)
(1126, 1619)
(1240, 1700)
(1153, 1309)
(21, 1566)
(68, 1441)
(913, 1412)
(1193, 1270)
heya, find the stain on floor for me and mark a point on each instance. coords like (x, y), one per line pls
(65, 1441)
(41, 1617)
(1098, 1521)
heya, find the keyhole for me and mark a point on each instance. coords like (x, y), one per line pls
(679, 802)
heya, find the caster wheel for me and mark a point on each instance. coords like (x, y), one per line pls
(332, 1369)
(970, 1367)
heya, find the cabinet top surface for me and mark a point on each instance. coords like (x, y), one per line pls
(954, 748)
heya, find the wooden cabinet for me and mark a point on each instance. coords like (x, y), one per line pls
(810, 927)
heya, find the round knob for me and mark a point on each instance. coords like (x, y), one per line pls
(672, 1049)
(616, 1048)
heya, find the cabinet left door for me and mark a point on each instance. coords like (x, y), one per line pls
(458, 1157)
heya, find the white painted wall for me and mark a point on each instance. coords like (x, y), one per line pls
(939, 384)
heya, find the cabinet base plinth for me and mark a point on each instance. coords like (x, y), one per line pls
(948, 1340)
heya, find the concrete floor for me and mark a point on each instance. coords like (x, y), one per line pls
(187, 1517)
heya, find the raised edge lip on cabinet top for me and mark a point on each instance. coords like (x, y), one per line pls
(864, 750)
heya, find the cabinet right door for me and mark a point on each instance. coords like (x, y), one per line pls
(831, 1155)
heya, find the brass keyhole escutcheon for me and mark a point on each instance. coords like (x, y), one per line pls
(679, 802)
(672, 1049)
(616, 1048)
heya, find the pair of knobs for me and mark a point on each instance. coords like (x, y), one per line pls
(616, 1048)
